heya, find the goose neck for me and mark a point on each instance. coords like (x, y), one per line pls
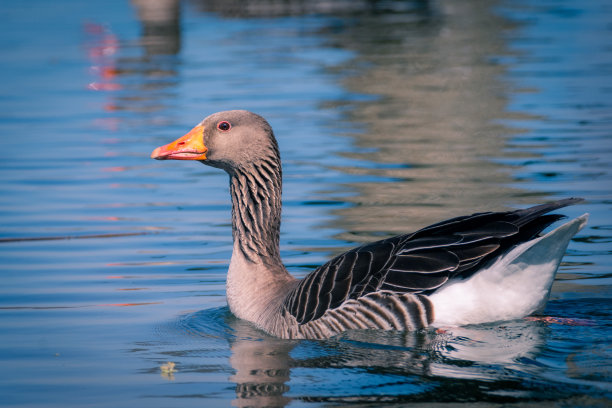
(256, 212)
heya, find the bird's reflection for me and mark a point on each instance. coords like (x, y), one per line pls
(263, 364)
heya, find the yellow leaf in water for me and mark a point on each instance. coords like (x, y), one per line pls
(168, 368)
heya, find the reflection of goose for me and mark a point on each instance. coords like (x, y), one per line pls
(471, 269)
(263, 365)
(477, 351)
(487, 346)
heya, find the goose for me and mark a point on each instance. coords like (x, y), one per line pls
(479, 268)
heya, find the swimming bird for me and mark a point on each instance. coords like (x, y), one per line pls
(484, 267)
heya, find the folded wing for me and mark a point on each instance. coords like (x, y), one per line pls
(417, 263)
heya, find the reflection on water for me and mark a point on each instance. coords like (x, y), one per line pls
(161, 30)
(263, 364)
(279, 8)
(262, 367)
(141, 78)
(434, 127)
(390, 115)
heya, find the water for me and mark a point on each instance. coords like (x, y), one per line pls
(390, 116)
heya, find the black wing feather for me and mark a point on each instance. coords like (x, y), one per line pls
(414, 282)
(420, 262)
(426, 261)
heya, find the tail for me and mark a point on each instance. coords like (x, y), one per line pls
(515, 285)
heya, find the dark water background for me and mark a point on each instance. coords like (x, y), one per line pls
(390, 116)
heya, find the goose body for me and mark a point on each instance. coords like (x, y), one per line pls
(483, 267)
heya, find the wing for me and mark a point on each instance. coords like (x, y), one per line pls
(420, 262)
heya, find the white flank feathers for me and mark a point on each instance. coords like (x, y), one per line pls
(514, 286)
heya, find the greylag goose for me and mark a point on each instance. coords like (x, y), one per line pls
(478, 268)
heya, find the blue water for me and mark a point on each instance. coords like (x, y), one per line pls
(389, 115)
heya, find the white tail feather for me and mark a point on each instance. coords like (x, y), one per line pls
(514, 286)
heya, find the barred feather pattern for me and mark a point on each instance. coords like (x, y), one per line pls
(256, 209)
(381, 285)
(392, 284)
(411, 266)
(382, 310)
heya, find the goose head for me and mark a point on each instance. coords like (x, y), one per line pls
(228, 140)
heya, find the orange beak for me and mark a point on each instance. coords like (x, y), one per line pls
(189, 147)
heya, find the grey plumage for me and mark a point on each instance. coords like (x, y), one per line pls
(382, 285)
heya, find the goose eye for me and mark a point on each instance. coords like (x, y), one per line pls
(224, 126)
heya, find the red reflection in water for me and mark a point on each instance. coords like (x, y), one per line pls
(115, 168)
(101, 49)
(130, 304)
(102, 86)
(102, 46)
(104, 218)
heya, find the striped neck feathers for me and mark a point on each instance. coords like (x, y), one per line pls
(256, 210)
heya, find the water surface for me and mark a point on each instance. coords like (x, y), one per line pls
(390, 116)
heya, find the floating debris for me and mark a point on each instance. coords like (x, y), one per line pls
(168, 370)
